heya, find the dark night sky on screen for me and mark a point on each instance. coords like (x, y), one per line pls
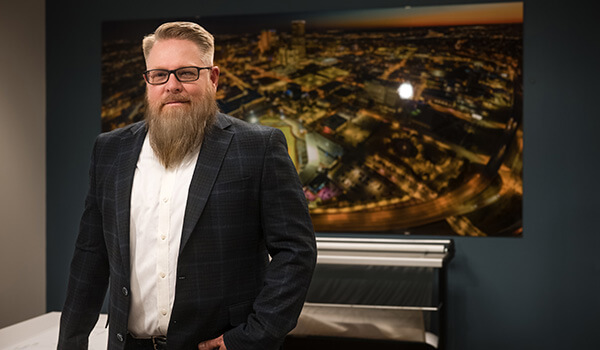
(511, 12)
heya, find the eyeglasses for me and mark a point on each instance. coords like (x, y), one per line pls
(183, 74)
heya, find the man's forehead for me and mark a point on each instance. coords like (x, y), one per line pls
(171, 51)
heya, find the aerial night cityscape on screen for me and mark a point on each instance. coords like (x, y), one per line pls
(402, 120)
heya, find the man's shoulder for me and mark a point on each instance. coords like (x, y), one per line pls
(110, 143)
(242, 127)
(124, 131)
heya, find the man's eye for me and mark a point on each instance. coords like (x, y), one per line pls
(187, 74)
(158, 75)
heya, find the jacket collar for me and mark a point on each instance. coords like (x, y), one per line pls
(212, 154)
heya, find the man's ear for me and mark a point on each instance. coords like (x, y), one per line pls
(214, 76)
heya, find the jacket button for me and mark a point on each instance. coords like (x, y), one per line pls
(125, 291)
(120, 337)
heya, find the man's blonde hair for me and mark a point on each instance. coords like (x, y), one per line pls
(182, 31)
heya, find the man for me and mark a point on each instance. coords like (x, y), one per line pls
(182, 214)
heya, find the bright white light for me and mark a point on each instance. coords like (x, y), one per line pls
(405, 91)
(476, 116)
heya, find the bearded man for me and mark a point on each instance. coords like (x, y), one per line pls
(197, 219)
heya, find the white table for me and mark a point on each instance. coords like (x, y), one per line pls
(41, 333)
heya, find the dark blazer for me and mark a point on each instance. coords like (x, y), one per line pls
(245, 203)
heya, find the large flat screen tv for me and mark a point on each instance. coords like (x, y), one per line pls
(398, 120)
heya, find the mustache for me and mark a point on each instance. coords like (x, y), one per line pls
(175, 98)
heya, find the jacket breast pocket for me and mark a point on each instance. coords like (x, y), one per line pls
(234, 199)
(232, 186)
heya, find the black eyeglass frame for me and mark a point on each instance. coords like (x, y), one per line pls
(174, 72)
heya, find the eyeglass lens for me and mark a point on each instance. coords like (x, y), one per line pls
(185, 74)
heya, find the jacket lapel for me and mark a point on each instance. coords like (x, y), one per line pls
(129, 152)
(211, 157)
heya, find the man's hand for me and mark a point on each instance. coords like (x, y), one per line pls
(213, 344)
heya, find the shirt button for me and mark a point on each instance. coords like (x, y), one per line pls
(125, 291)
(163, 237)
(162, 275)
(120, 337)
(165, 199)
(163, 312)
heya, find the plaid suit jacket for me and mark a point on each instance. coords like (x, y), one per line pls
(245, 202)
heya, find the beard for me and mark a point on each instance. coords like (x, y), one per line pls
(178, 131)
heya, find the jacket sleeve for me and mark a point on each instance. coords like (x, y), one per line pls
(290, 240)
(88, 279)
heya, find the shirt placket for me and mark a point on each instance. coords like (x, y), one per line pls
(162, 261)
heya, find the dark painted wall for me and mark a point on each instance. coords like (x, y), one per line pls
(539, 291)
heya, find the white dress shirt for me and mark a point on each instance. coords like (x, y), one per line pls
(158, 200)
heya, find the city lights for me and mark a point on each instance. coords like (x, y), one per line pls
(397, 129)
(405, 91)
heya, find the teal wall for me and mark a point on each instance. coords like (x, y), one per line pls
(537, 292)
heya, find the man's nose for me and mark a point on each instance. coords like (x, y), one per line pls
(173, 84)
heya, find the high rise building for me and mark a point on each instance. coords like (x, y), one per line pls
(298, 38)
(266, 40)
